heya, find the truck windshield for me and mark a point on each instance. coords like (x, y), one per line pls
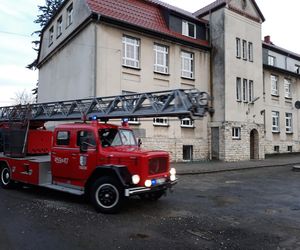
(111, 137)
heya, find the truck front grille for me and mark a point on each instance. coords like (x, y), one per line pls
(158, 165)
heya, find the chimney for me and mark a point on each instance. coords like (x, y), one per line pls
(267, 39)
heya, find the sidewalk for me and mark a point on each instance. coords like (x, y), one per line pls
(219, 166)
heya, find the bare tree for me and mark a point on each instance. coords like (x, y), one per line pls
(23, 98)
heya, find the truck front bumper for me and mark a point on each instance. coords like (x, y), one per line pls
(141, 190)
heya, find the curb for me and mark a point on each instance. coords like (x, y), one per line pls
(195, 172)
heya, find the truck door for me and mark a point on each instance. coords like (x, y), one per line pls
(85, 160)
(61, 156)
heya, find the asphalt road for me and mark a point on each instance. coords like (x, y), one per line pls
(250, 209)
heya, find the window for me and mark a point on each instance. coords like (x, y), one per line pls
(297, 69)
(245, 90)
(59, 26)
(187, 64)
(160, 121)
(70, 15)
(131, 51)
(238, 89)
(288, 122)
(238, 47)
(275, 121)
(290, 149)
(63, 138)
(188, 29)
(111, 137)
(276, 149)
(274, 85)
(187, 152)
(86, 137)
(287, 88)
(244, 49)
(236, 133)
(187, 123)
(251, 91)
(161, 59)
(250, 51)
(51, 35)
(271, 60)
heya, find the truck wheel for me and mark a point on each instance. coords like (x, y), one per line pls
(153, 196)
(107, 195)
(5, 178)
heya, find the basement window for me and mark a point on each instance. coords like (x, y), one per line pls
(187, 152)
(290, 149)
(276, 149)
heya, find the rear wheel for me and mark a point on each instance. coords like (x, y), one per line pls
(107, 195)
(153, 196)
(5, 178)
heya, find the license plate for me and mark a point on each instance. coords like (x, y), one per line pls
(160, 180)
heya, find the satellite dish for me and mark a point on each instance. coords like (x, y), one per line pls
(297, 104)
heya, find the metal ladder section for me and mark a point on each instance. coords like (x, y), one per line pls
(173, 103)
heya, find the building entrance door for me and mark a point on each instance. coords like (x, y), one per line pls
(254, 145)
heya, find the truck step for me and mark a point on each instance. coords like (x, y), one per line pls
(63, 189)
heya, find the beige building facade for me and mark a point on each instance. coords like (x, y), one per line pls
(96, 48)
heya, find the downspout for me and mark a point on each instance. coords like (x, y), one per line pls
(96, 54)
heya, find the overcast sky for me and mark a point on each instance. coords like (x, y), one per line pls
(16, 26)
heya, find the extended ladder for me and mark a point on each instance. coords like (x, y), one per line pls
(179, 102)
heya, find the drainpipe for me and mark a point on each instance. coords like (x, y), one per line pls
(96, 54)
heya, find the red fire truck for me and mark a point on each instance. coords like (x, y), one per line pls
(103, 161)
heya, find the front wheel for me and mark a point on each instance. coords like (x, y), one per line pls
(106, 195)
(5, 178)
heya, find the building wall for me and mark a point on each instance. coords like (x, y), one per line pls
(70, 73)
(113, 78)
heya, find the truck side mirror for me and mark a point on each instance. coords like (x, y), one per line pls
(140, 142)
(83, 147)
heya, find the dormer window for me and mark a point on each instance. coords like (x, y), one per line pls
(70, 15)
(272, 60)
(188, 29)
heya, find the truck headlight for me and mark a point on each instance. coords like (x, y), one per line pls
(172, 171)
(172, 177)
(148, 183)
(135, 179)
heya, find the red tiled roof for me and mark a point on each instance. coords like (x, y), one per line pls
(141, 13)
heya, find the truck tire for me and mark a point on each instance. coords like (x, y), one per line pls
(153, 196)
(107, 195)
(5, 178)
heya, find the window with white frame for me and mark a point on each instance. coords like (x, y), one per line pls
(187, 123)
(187, 64)
(161, 121)
(287, 88)
(297, 69)
(161, 59)
(188, 29)
(131, 51)
(244, 49)
(271, 60)
(59, 26)
(274, 85)
(250, 51)
(288, 122)
(275, 121)
(245, 90)
(70, 15)
(251, 91)
(238, 47)
(236, 133)
(51, 35)
(238, 89)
